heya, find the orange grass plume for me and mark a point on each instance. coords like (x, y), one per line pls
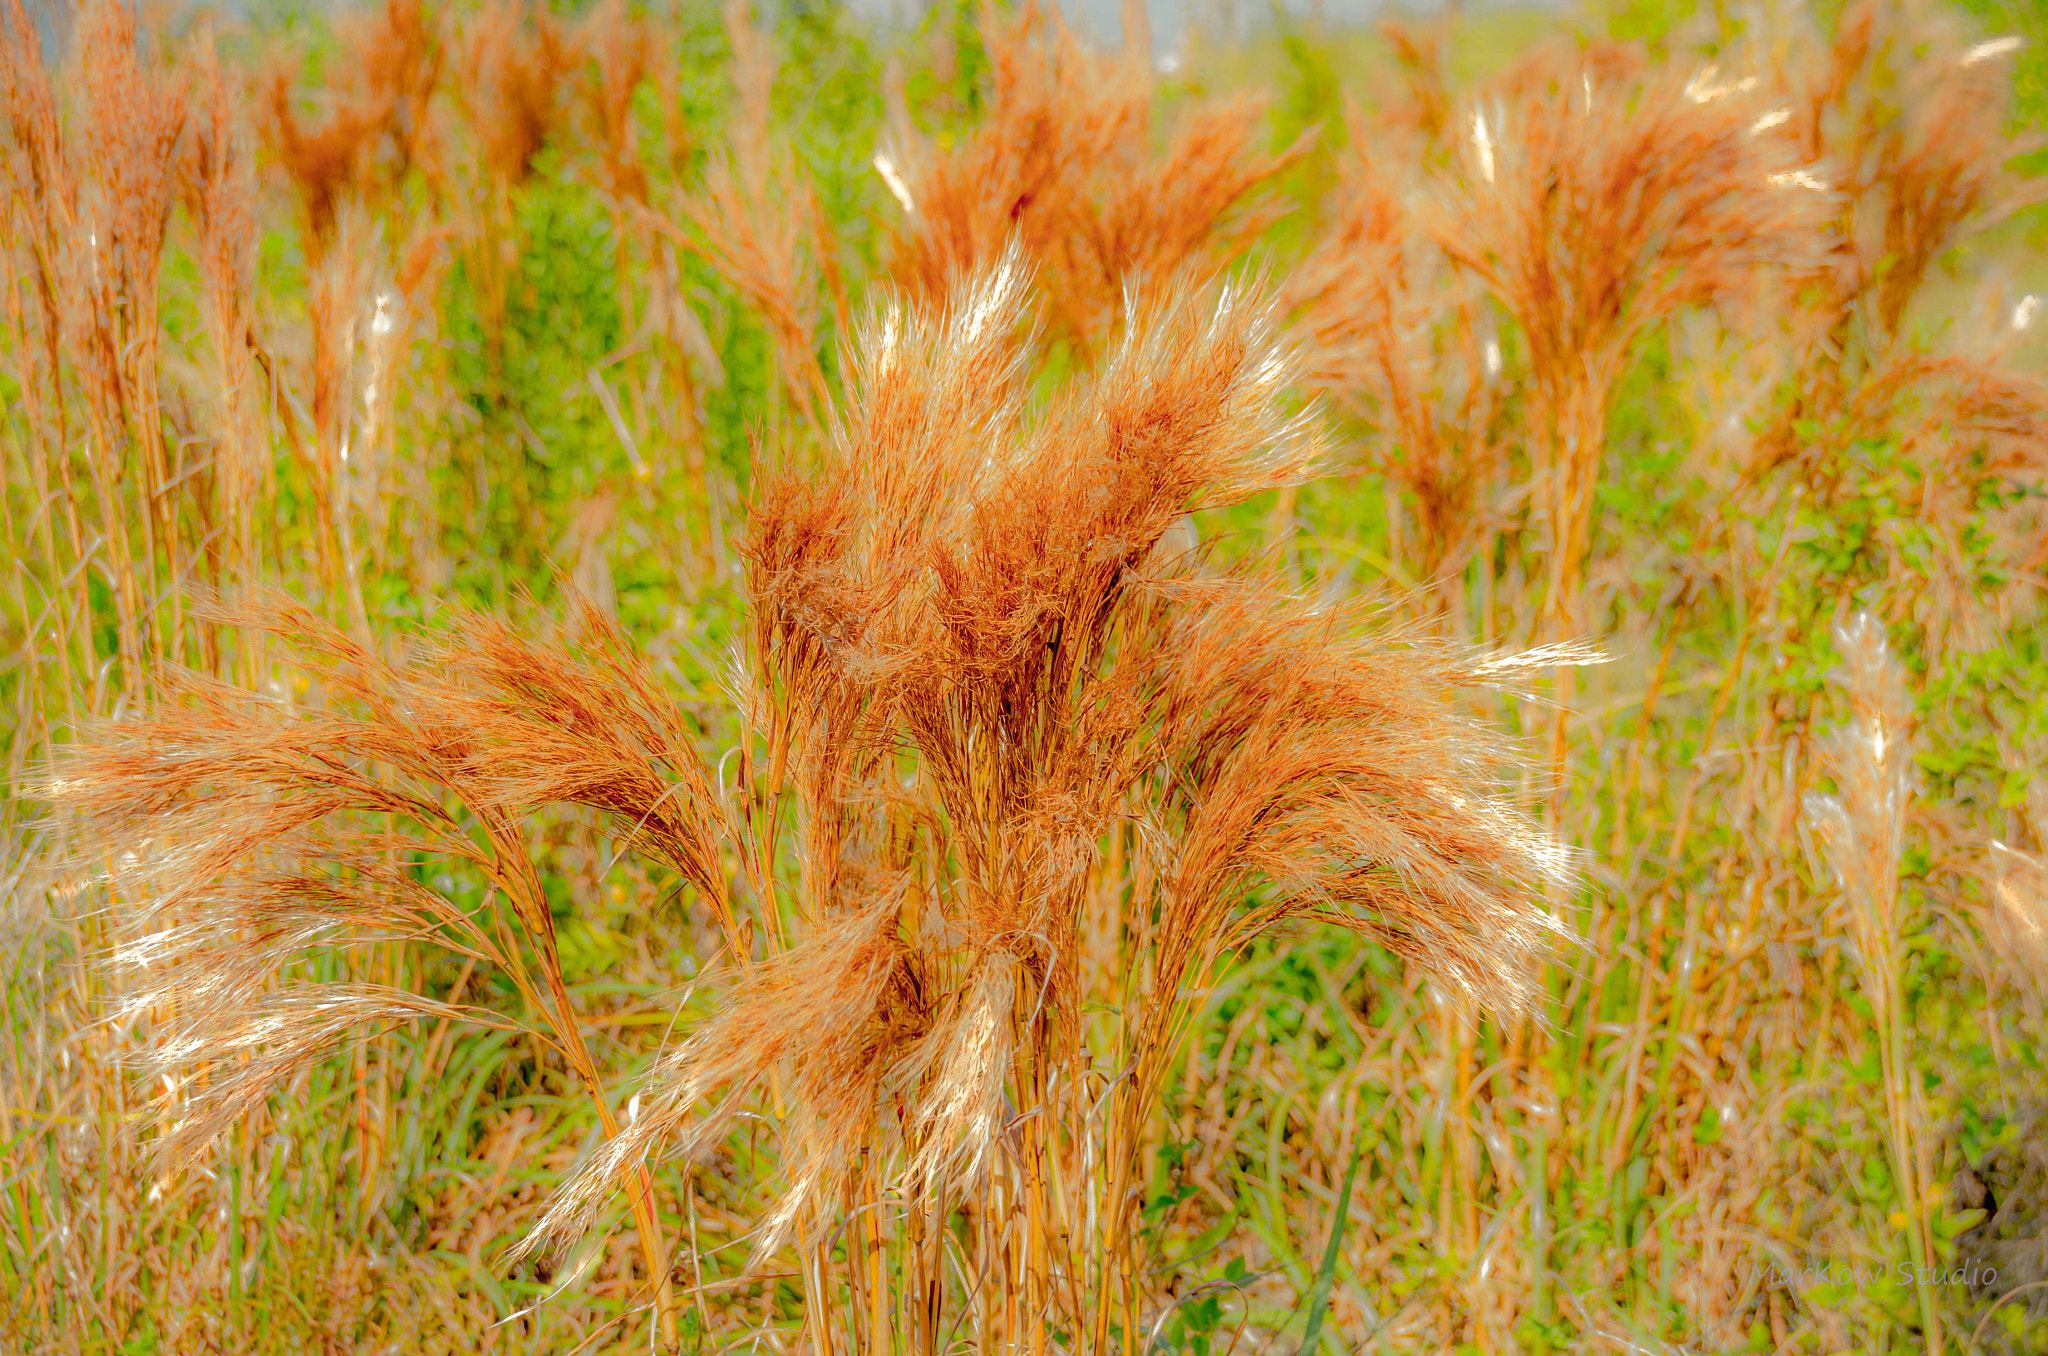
(1069, 161)
(969, 666)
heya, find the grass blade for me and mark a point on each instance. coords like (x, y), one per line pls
(1326, 1275)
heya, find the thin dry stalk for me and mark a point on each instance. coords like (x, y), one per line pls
(759, 223)
(1863, 825)
(220, 194)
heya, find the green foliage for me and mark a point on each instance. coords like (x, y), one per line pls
(1302, 1034)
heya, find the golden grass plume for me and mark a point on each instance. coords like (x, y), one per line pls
(969, 665)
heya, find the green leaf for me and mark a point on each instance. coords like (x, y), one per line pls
(1319, 1298)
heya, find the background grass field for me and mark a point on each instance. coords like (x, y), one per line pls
(500, 344)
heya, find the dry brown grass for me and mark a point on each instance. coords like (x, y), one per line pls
(759, 223)
(1405, 344)
(1911, 119)
(220, 196)
(374, 124)
(1000, 796)
(1066, 161)
(246, 831)
(94, 202)
(969, 671)
(1595, 204)
(1863, 825)
(517, 63)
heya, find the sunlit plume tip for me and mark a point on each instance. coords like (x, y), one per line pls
(888, 339)
(1702, 89)
(1993, 49)
(892, 179)
(1568, 652)
(2022, 905)
(996, 293)
(776, 1226)
(2023, 312)
(1482, 142)
(1777, 117)
(143, 951)
(1799, 179)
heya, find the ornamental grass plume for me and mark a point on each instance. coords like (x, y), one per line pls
(1912, 121)
(758, 222)
(374, 126)
(90, 197)
(518, 63)
(1424, 63)
(220, 194)
(1862, 824)
(1009, 784)
(250, 829)
(1064, 158)
(348, 149)
(2020, 916)
(1596, 203)
(1905, 119)
(620, 52)
(1404, 342)
(1966, 436)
